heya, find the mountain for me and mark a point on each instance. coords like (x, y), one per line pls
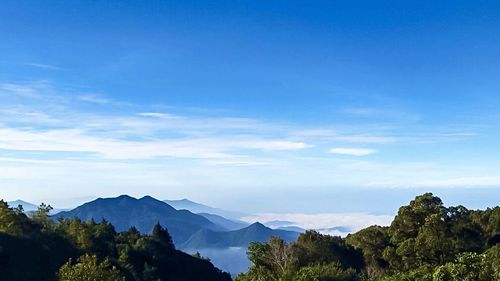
(337, 228)
(27, 207)
(336, 231)
(256, 232)
(30, 207)
(227, 224)
(279, 223)
(125, 211)
(185, 204)
(293, 228)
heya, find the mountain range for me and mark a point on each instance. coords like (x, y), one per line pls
(185, 204)
(188, 230)
(125, 211)
(227, 224)
(256, 232)
(218, 234)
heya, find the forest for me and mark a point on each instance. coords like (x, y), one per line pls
(425, 241)
(39, 248)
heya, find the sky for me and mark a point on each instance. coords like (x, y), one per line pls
(275, 107)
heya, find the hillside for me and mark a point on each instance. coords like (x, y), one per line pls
(39, 249)
(256, 232)
(125, 211)
(227, 224)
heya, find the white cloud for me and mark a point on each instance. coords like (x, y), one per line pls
(324, 221)
(37, 123)
(352, 151)
(75, 140)
(17, 89)
(44, 66)
(94, 99)
(160, 115)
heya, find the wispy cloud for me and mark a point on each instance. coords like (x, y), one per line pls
(94, 99)
(44, 66)
(74, 140)
(160, 115)
(352, 151)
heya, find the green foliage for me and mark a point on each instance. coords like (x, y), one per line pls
(493, 261)
(425, 242)
(417, 234)
(313, 247)
(14, 222)
(37, 248)
(423, 273)
(489, 220)
(467, 267)
(42, 216)
(371, 241)
(89, 269)
(312, 257)
(326, 272)
(162, 236)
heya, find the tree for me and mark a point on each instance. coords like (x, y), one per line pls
(415, 230)
(431, 244)
(14, 222)
(465, 235)
(466, 267)
(161, 235)
(42, 216)
(314, 247)
(271, 260)
(88, 268)
(372, 241)
(326, 272)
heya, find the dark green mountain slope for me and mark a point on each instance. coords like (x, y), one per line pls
(256, 232)
(125, 211)
(39, 249)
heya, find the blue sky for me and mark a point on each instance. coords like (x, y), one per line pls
(264, 106)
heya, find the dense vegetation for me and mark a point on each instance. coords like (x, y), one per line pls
(37, 248)
(426, 241)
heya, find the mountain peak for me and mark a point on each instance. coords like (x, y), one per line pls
(125, 196)
(148, 198)
(19, 201)
(125, 211)
(27, 206)
(258, 225)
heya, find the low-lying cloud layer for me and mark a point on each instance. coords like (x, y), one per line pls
(328, 223)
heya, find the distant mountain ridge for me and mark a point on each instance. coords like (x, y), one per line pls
(255, 232)
(30, 207)
(228, 224)
(223, 238)
(194, 207)
(125, 211)
(27, 207)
